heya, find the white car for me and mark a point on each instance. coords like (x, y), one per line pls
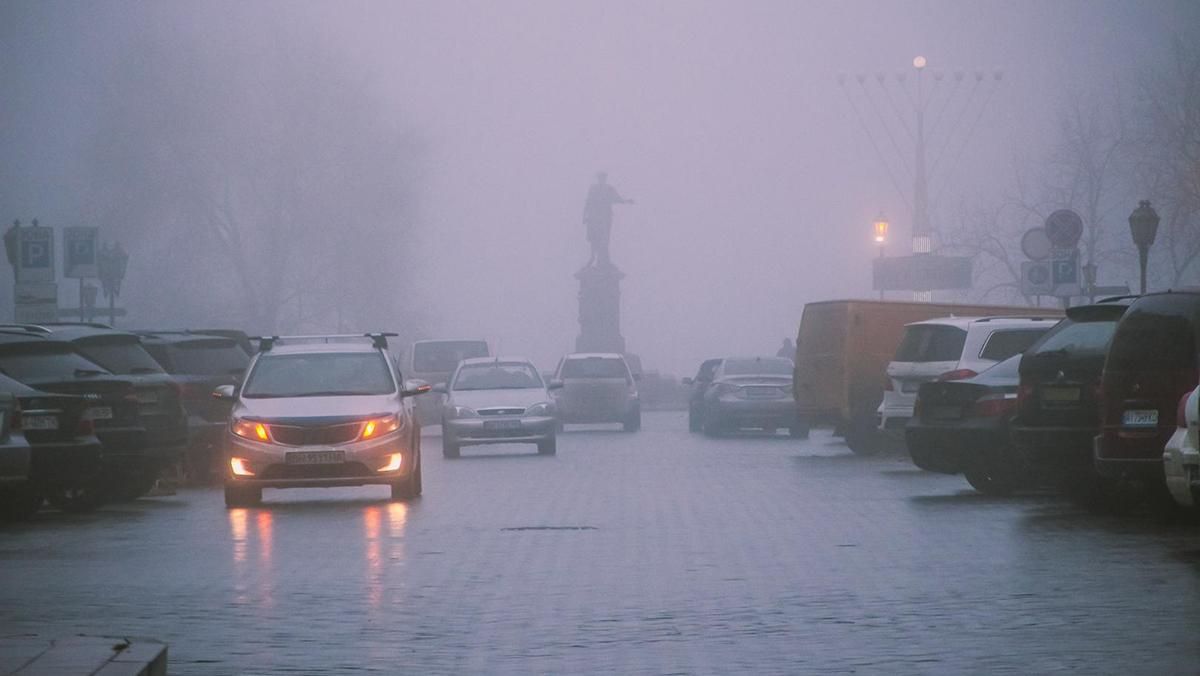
(950, 348)
(498, 400)
(1181, 458)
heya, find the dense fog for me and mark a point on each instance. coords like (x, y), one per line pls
(422, 167)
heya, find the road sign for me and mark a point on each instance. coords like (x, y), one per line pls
(1065, 267)
(1035, 278)
(35, 260)
(1035, 244)
(79, 252)
(1064, 228)
(36, 303)
(922, 272)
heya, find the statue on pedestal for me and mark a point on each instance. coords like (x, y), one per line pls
(597, 216)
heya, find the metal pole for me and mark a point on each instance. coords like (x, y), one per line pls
(881, 256)
(1143, 256)
(112, 309)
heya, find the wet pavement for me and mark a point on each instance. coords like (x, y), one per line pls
(659, 553)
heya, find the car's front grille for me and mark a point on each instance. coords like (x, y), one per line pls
(315, 436)
(500, 411)
(344, 470)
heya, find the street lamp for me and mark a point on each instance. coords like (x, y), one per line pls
(1089, 279)
(881, 231)
(1143, 226)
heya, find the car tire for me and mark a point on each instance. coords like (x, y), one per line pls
(450, 449)
(76, 498)
(131, 487)
(996, 481)
(695, 423)
(633, 421)
(865, 440)
(242, 496)
(409, 488)
(712, 428)
(548, 446)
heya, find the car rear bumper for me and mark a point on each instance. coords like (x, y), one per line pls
(68, 463)
(750, 413)
(1181, 469)
(472, 431)
(949, 450)
(1056, 449)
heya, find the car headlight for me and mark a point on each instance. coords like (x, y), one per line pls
(249, 429)
(541, 409)
(377, 427)
(461, 412)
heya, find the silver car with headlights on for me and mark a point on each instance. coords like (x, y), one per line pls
(321, 411)
(498, 400)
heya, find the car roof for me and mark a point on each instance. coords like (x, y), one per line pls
(71, 332)
(17, 336)
(323, 348)
(449, 340)
(594, 355)
(967, 322)
(496, 360)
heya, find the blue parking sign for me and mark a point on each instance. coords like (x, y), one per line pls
(1065, 270)
(36, 259)
(79, 252)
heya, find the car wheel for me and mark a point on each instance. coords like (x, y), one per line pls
(19, 503)
(994, 481)
(548, 446)
(411, 487)
(694, 422)
(713, 428)
(633, 421)
(450, 449)
(865, 440)
(242, 496)
(76, 498)
(131, 487)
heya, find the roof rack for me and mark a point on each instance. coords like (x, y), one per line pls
(378, 340)
(1046, 317)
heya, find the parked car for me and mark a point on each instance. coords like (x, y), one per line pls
(65, 455)
(434, 361)
(200, 361)
(749, 392)
(842, 351)
(1151, 363)
(496, 400)
(130, 463)
(19, 497)
(1058, 401)
(698, 386)
(962, 427)
(316, 414)
(597, 388)
(950, 348)
(1181, 457)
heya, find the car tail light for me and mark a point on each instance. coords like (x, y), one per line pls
(1181, 412)
(86, 425)
(957, 374)
(1024, 394)
(888, 386)
(995, 405)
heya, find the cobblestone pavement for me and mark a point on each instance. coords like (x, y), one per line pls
(658, 552)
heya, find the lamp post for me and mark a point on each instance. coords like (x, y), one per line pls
(1089, 279)
(881, 231)
(1143, 226)
(111, 263)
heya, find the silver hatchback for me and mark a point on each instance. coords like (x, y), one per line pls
(598, 388)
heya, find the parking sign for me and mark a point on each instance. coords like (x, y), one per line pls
(79, 252)
(35, 262)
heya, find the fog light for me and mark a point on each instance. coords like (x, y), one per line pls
(240, 467)
(394, 462)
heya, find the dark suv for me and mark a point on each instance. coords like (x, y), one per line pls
(1151, 363)
(43, 363)
(201, 361)
(1058, 401)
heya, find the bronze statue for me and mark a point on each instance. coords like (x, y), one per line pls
(597, 216)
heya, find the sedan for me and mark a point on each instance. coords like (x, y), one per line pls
(962, 427)
(749, 392)
(497, 400)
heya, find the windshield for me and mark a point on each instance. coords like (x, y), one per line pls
(501, 376)
(125, 356)
(1009, 369)
(1078, 338)
(1157, 333)
(443, 356)
(323, 374)
(595, 367)
(931, 342)
(209, 357)
(45, 364)
(762, 366)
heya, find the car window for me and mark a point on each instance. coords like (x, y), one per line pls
(762, 366)
(707, 369)
(931, 342)
(497, 376)
(119, 355)
(1153, 338)
(1007, 369)
(443, 356)
(1003, 344)
(1077, 338)
(319, 374)
(595, 367)
(209, 357)
(43, 363)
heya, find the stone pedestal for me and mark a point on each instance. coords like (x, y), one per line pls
(600, 309)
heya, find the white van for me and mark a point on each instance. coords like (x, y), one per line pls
(950, 348)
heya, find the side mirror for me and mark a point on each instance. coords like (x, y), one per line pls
(225, 393)
(687, 381)
(554, 384)
(414, 387)
(440, 388)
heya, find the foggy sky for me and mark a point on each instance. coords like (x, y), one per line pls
(755, 187)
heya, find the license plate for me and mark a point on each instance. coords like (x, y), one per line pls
(761, 392)
(1140, 419)
(101, 413)
(147, 397)
(945, 412)
(39, 422)
(315, 457)
(501, 424)
(1059, 396)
